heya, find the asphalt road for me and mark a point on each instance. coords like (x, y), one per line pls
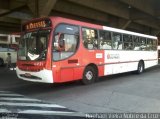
(126, 92)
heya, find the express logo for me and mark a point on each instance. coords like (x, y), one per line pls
(113, 56)
(108, 56)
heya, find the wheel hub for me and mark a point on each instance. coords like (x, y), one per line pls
(140, 68)
(89, 75)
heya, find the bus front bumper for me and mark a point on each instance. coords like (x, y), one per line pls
(44, 76)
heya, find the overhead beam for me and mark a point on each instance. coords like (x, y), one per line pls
(132, 26)
(5, 4)
(157, 13)
(47, 8)
(34, 7)
(4, 29)
(12, 10)
(20, 15)
(81, 12)
(41, 8)
(108, 6)
(9, 24)
(2, 11)
(4, 26)
(10, 6)
(152, 24)
(126, 24)
(138, 15)
(10, 20)
(13, 4)
(142, 5)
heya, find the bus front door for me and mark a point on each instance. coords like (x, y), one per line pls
(64, 70)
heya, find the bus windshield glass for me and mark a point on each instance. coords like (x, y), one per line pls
(33, 45)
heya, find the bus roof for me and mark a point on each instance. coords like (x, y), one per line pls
(86, 24)
(90, 25)
(128, 32)
(75, 22)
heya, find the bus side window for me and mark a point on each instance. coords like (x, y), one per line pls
(117, 41)
(128, 42)
(90, 38)
(136, 43)
(59, 42)
(65, 42)
(105, 40)
(154, 45)
(143, 44)
(55, 43)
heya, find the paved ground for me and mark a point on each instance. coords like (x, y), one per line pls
(15, 106)
(118, 93)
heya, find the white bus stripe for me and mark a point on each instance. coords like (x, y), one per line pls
(30, 104)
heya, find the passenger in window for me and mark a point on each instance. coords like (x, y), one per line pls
(68, 47)
(116, 41)
(42, 44)
(55, 44)
(90, 41)
(60, 46)
(150, 45)
(128, 46)
(69, 42)
(61, 41)
(143, 45)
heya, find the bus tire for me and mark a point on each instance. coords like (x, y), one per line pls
(1, 62)
(89, 75)
(140, 68)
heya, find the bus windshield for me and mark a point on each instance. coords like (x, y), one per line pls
(33, 45)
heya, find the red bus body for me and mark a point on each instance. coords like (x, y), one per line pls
(71, 68)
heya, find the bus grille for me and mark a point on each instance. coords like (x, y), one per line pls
(38, 66)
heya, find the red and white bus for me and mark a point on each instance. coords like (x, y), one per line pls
(56, 49)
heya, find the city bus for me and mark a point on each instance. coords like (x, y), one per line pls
(57, 49)
(8, 44)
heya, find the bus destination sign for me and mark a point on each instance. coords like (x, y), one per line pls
(37, 24)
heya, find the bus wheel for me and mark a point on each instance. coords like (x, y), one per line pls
(140, 68)
(89, 75)
(1, 62)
